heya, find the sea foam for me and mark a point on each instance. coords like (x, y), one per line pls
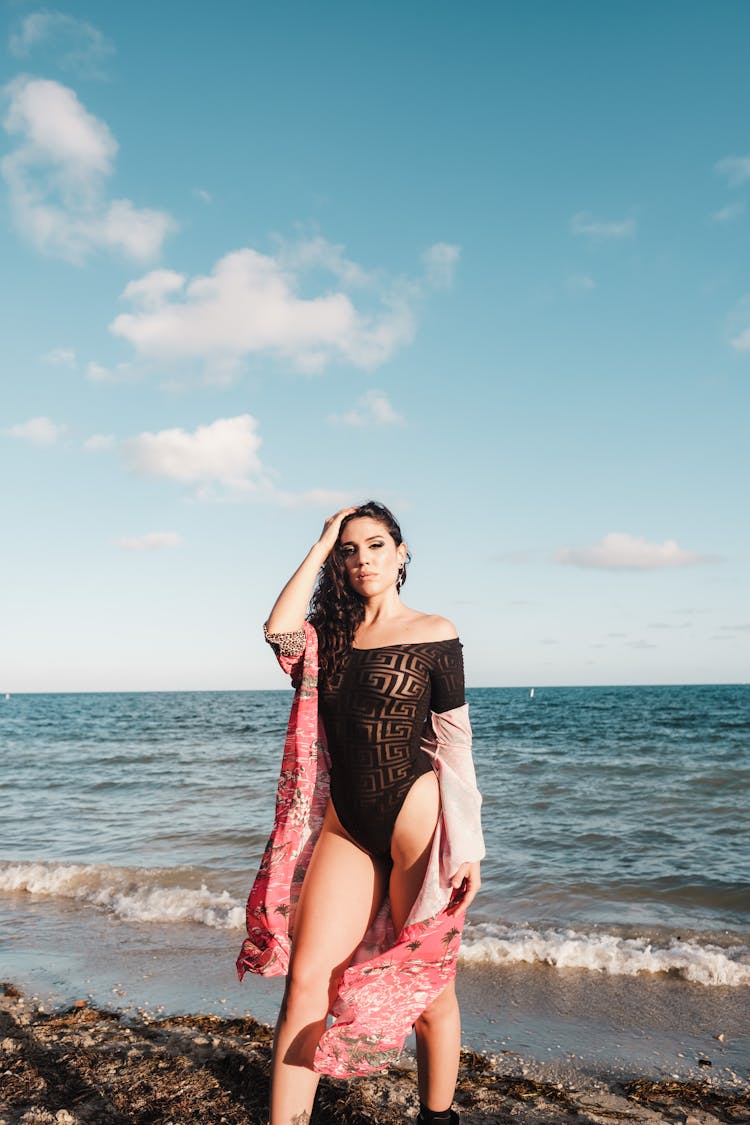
(150, 895)
(693, 960)
(135, 894)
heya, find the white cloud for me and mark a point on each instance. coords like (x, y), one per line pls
(741, 342)
(250, 303)
(221, 462)
(98, 442)
(224, 452)
(372, 409)
(729, 213)
(318, 253)
(81, 47)
(137, 233)
(51, 121)
(620, 551)
(203, 195)
(735, 168)
(152, 541)
(56, 177)
(39, 431)
(151, 291)
(579, 283)
(584, 224)
(440, 261)
(97, 373)
(60, 357)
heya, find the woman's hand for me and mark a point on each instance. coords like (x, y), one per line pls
(288, 613)
(331, 528)
(466, 882)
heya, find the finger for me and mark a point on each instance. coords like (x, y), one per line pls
(460, 876)
(462, 898)
(332, 526)
(333, 523)
(472, 890)
(460, 905)
(469, 897)
(457, 897)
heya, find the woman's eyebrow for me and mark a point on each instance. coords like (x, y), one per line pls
(351, 543)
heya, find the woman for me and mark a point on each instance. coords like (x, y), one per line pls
(387, 675)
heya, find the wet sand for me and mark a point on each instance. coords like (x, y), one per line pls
(87, 1065)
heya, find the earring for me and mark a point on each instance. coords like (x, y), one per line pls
(401, 576)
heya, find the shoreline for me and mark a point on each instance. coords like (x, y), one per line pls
(655, 1025)
(86, 1065)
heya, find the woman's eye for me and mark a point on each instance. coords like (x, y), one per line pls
(376, 544)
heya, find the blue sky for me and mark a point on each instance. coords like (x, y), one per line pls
(487, 263)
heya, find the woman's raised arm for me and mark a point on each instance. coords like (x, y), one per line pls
(288, 613)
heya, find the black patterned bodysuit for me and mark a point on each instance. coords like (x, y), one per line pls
(374, 710)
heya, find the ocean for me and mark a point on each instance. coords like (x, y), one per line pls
(613, 924)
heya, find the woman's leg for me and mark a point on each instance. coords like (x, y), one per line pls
(438, 1032)
(341, 894)
(438, 1029)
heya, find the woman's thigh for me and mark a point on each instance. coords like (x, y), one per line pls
(411, 844)
(342, 893)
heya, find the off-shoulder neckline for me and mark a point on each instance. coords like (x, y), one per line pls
(407, 644)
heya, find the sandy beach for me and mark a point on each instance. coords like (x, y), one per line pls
(88, 1065)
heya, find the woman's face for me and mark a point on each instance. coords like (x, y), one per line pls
(371, 557)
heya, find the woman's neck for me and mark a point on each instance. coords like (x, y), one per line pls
(381, 608)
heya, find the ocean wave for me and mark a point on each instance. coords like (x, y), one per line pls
(165, 896)
(699, 962)
(134, 894)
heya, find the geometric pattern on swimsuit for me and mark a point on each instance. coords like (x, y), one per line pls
(374, 710)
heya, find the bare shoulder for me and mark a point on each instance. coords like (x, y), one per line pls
(433, 627)
(409, 628)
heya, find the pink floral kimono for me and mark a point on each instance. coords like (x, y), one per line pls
(392, 977)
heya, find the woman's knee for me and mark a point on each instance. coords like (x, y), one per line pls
(311, 987)
(443, 1008)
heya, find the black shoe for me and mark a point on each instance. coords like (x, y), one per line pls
(422, 1120)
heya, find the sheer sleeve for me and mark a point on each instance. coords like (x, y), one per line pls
(447, 676)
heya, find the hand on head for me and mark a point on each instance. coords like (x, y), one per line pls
(331, 528)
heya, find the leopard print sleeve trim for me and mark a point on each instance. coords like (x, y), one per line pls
(286, 644)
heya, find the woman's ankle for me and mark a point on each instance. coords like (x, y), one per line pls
(436, 1117)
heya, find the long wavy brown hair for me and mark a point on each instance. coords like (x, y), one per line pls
(336, 610)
